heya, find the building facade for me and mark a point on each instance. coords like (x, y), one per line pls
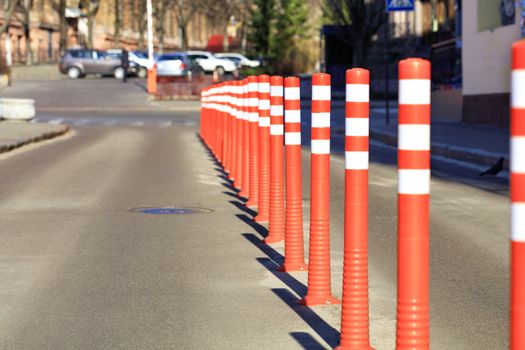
(490, 27)
(44, 29)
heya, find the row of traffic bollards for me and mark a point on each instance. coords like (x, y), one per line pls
(242, 123)
(253, 128)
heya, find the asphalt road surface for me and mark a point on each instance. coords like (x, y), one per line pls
(80, 270)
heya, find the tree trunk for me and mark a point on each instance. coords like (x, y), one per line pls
(91, 28)
(140, 15)
(27, 35)
(184, 37)
(225, 41)
(117, 24)
(62, 45)
(93, 7)
(160, 16)
(26, 6)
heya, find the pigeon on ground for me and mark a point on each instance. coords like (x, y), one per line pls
(495, 169)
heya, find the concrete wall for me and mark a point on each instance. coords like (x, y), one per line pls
(486, 68)
(486, 55)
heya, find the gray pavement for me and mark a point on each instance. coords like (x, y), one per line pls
(79, 270)
(478, 144)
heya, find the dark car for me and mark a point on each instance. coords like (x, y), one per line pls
(76, 63)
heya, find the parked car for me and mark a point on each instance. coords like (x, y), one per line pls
(240, 60)
(138, 65)
(177, 64)
(142, 60)
(77, 63)
(210, 63)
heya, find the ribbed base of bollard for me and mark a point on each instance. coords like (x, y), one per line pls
(293, 267)
(357, 347)
(317, 300)
(274, 239)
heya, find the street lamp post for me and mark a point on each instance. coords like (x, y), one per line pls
(150, 31)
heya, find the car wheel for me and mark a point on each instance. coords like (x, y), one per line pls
(73, 73)
(118, 73)
(220, 70)
(142, 72)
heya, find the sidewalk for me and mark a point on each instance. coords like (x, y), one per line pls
(482, 145)
(15, 134)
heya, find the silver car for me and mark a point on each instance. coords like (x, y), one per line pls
(175, 64)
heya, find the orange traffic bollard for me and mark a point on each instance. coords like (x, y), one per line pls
(413, 205)
(245, 190)
(263, 209)
(276, 225)
(319, 279)
(204, 110)
(239, 137)
(234, 125)
(293, 236)
(219, 124)
(517, 194)
(253, 110)
(152, 80)
(227, 128)
(355, 326)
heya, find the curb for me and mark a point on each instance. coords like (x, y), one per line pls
(476, 156)
(12, 145)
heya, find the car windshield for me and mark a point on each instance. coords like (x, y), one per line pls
(171, 57)
(140, 54)
(232, 58)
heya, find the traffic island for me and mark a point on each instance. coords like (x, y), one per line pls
(15, 134)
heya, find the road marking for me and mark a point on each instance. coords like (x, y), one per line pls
(56, 121)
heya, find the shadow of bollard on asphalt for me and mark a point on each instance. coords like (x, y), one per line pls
(328, 333)
(260, 229)
(307, 341)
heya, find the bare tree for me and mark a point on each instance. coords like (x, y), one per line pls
(60, 7)
(359, 20)
(90, 8)
(24, 7)
(118, 22)
(161, 8)
(184, 11)
(221, 12)
(139, 11)
(9, 7)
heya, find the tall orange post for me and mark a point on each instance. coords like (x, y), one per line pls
(239, 154)
(319, 279)
(263, 209)
(220, 123)
(517, 194)
(253, 117)
(355, 327)
(234, 127)
(152, 80)
(227, 138)
(413, 205)
(204, 111)
(276, 225)
(245, 190)
(293, 236)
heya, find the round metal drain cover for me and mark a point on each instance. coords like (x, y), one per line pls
(171, 210)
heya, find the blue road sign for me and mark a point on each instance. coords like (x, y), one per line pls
(399, 5)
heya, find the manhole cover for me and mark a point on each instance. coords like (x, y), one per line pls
(171, 210)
